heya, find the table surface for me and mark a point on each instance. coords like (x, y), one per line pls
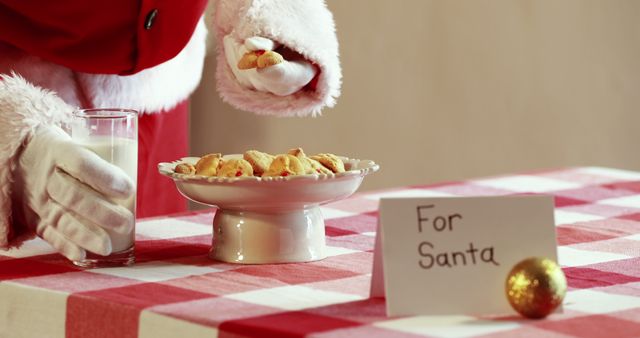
(175, 290)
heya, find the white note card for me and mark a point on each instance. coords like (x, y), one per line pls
(443, 256)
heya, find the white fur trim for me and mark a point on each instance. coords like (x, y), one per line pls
(304, 26)
(155, 89)
(22, 108)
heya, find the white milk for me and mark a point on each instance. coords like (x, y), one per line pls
(123, 153)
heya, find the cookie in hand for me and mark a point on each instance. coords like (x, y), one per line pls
(259, 59)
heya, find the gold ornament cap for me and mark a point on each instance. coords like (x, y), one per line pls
(535, 287)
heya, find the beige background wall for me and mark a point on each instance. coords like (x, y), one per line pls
(447, 90)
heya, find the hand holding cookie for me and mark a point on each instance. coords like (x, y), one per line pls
(257, 66)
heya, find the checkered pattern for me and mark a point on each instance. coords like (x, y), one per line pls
(176, 291)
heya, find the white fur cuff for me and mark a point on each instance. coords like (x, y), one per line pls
(306, 27)
(22, 108)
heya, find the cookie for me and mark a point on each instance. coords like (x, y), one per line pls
(330, 161)
(259, 161)
(311, 166)
(299, 153)
(248, 61)
(208, 165)
(185, 168)
(285, 165)
(259, 59)
(236, 167)
(318, 168)
(269, 58)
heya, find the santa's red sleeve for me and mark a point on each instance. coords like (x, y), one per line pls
(100, 37)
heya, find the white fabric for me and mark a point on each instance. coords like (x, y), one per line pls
(260, 43)
(32, 312)
(65, 193)
(282, 79)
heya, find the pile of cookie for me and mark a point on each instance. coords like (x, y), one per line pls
(257, 163)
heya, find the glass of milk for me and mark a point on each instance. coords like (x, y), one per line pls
(113, 135)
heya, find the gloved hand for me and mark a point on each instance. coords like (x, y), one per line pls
(66, 191)
(282, 79)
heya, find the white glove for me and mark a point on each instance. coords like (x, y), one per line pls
(281, 79)
(65, 192)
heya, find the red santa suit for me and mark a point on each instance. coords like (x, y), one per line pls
(148, 55)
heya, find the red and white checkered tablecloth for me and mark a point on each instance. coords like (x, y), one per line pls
(174, 290)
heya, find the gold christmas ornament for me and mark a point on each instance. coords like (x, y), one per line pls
(535, 287)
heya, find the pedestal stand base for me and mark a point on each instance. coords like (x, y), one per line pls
(248, 237)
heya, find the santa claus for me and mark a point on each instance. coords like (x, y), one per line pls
(146, 55)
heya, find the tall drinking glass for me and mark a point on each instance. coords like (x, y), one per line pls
(113, 135)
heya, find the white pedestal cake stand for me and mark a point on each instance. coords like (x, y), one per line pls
(271, 219)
